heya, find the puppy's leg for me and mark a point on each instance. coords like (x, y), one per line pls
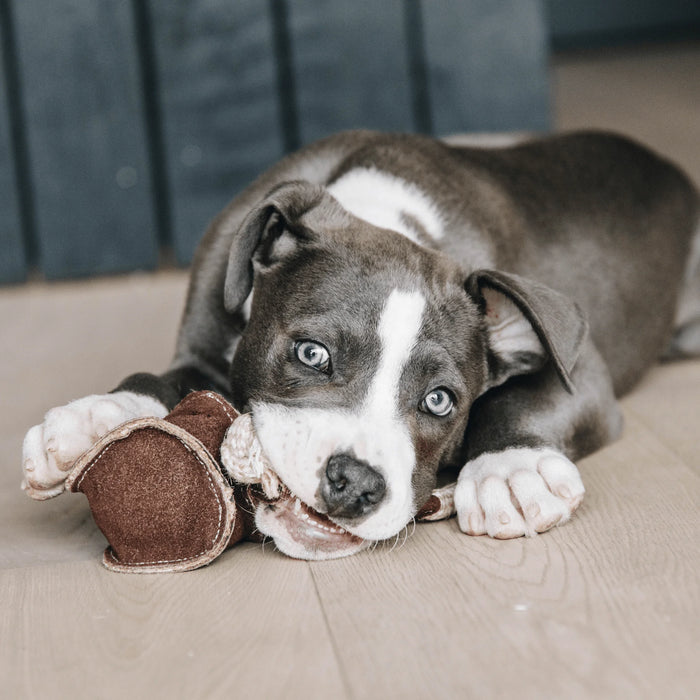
(522, 438)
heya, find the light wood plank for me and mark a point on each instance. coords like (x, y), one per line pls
(667, 403)
(607, 606)
(247, 626)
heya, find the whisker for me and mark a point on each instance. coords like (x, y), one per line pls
(265, 540)
(405, 537)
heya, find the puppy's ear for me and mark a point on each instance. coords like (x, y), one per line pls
(288, 216)
(527, 325)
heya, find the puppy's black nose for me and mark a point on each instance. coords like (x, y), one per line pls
(350, 487)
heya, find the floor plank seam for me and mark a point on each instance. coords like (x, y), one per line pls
(334, 644)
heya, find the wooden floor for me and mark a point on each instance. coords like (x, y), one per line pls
(608, 606)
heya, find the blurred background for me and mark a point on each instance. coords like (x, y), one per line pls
(126, 125)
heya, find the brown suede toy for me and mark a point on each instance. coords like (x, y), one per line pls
(158, 492)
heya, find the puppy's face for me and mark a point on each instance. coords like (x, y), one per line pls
(360, 361)
(360, 372)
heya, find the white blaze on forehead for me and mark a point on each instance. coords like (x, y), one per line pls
(385, 200)
(399, 325)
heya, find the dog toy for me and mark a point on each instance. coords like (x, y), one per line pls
(172, 494)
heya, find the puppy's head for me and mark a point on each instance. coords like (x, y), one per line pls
(361, 360)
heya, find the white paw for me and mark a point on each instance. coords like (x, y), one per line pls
(51, 448)
(520, 491)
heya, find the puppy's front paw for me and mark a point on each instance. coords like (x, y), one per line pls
(51, 448)
(520, 491)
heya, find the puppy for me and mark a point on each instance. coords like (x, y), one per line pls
(389, 306)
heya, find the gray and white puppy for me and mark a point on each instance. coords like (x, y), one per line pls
(391, 305)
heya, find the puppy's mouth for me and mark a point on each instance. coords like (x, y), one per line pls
(297, 529)
(301, 532)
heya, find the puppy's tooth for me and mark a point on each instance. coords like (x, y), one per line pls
(297, 505)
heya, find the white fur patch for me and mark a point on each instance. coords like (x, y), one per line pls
(51, 448)
(385, 200)
(299, 441)
(543, 483)
(398, 330)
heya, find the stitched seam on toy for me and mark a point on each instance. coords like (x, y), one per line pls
(211, 486)
(95, 461)
(222, 403)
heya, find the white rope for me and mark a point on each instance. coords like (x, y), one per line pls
(244, 460)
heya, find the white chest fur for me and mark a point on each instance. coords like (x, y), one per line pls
(387, 201)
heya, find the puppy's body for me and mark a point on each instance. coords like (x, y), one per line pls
(397, 276)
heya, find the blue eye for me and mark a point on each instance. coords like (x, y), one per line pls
(313, 354)
(439, 402)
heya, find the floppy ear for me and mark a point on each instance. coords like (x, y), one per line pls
(272, 231)
(527, 324)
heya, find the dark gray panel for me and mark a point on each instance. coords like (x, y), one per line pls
(12, 253)
(487, 65)
(218, 91)
(351, 66)
(92, 192)
(13, 266)
(587, 22)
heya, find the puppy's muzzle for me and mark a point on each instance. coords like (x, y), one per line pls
(350, 487)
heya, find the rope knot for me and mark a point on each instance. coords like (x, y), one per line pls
(243, 458)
